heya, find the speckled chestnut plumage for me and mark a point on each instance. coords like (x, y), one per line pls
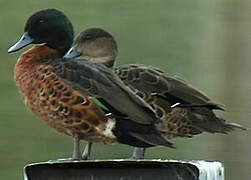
(75, 96)
(184, 110)
(55, 102)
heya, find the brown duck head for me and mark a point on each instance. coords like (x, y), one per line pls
(97, 44)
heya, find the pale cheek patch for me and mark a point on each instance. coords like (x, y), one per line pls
(102, 60)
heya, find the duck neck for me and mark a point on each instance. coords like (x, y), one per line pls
(61, 46)
(61, 40)
(108, 61)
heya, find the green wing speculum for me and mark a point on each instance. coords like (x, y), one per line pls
(99, 103)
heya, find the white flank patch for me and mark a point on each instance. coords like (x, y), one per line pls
(108, 129)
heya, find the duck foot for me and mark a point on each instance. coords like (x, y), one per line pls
(87, 152)
(76, 155)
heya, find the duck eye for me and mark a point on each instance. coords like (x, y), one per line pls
(41, 21)
(88, 37)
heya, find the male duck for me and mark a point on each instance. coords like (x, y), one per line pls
(184, 110)
(73, 96)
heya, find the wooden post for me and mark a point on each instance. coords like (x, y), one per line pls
(124, 169)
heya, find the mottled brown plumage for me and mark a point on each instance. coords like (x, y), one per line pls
(184, 110)
(193, 116)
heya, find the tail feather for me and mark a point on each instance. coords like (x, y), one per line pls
(219, 125)
(138, 135)
(153, 139)
(233, 126)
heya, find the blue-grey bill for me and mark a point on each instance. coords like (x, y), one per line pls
(24, 41)
(72, 53)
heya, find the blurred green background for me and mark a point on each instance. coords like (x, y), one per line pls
(207, 43)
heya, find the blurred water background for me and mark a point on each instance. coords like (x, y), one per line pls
(207, 43)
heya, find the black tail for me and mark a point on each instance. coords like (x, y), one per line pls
(153, 139)
(138, 135)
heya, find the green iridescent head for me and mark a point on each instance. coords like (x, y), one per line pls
(49, 26)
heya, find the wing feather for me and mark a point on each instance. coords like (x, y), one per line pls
(100, 82)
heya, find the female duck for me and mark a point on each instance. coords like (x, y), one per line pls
(184, 110)
(69, 95)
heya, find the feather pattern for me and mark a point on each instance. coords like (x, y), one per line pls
(193, 114)
(53, 101)
(95, 80)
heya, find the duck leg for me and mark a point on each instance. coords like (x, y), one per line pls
(138, 153)
(76, 149)
(87, 152)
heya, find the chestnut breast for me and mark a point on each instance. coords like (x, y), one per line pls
(53, 101)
